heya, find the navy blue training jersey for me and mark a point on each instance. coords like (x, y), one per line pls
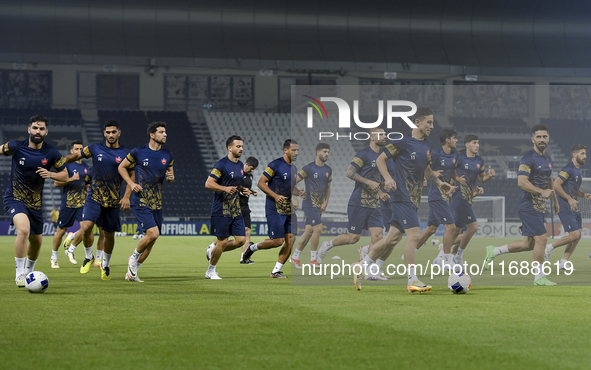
(150, 171)
(572, 178)
(227, 173)
(411, 158)
(316, 179)
(365, 164)
(440, 160)
(26, 185)
(281, 182)
(471, 168)
(538, 169)
(105, 186)
(74, 194)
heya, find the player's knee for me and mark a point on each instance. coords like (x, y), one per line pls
(354, 238)
(23, 230)
(432, 229)
(575, 235)
(278, 242)
(152, 234)
(239, 240)
(473, 227)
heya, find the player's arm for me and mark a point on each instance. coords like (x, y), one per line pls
(59, 184)
(61, 175)
(460, 179)
(74, 157)
(170, 174)
(557, 185)
(389, 183)
(433, 176)
(295, 202)
(555, 204)
(212, 184)
(123, 169)
(353, 175)
(485, 177)
(524, 184)
(262, 184)
(125, 204)
(325, 204)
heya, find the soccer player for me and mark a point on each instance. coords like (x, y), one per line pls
(469, 167)
(225, 180)
(278, 183)
(412, 156)
(317, 176)
(364, 204)
(73, 195)
(102, 201)
(151, 164)
(32, 160)
(251, 164)
(567, 185)
(535, 180)
(444, 160)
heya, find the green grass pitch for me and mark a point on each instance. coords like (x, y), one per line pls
(178, 319)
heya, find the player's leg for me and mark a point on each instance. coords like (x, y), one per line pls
(285, 250)
(314, 242)
(306, 236)
(539, 248)
(22, 226)
(471, 229)
(276, 226)
(100, 248)
(247, 227)
(358, 217)
(572, 223)
(57, 240)
(568, 251)
(35, 242)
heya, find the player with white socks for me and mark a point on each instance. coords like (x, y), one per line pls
(72, 240)
(32, 160)
(152, 164)
(535, 180)
(567, 185)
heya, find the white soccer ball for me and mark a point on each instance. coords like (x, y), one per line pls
(135, 236)
(435, 241)
(36, 282)
(459, 282)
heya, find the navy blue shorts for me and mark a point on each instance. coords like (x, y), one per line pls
(571, 221)
(148, 218)
(14, 207)
(68, 216)
(440, 213)
(224, 227)
(103, 217)
(386, 213)
(279, 225)
(532, 222)
(404, 216)
(462, 212)
(361, 218)
(313, 217)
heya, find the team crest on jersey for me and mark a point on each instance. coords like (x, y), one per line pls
(118, 159)
(428, 153)
(326, 174)
(478, 166)
(163, 160)
(242, 172)
(85, 171)
(550, 165)
(44, 161)
(453, 161)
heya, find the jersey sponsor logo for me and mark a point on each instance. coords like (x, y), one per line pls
(100, 157)
(118, 159)
(163, 160)
(44, 161)
(145, 162)
(315, 175)
(413, 155)
(373, 163)
(442, 162)
(466, 166)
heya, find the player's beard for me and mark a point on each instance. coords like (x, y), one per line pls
(581, 162)
(539, 146)
(36, 140)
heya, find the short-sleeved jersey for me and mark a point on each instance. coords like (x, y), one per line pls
(471, 168)
(26, 185)
(316, 179)
(365, 164)
(105, 186)
(74, 194)
(411, 158)
(538, 169)
(572, 178)
(446, 163)
(246, 183)
(281, 182)
(150, 171)
(227, 173)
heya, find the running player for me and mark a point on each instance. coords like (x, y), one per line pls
(102, 201)
(225, 180)
(469, 167)
(317, 176)
(535, 180)
(412, 156)
(278, 183)
(73, 195)
(364, 204)
(251, 164)
(152, 164)
(31, 161)
(567, 185)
